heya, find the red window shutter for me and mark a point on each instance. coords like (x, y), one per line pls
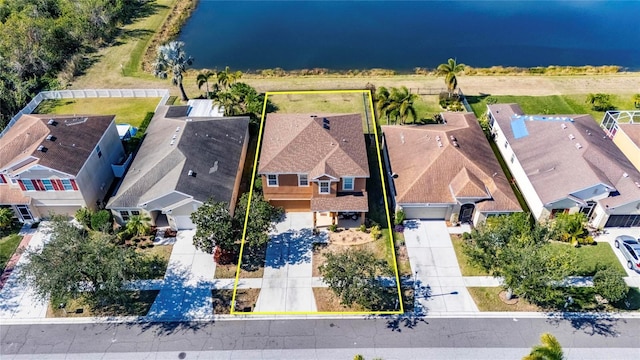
(73, 183)
(4, 179)
(59, 184)
(41, 185)
(21, 183)
(55, 185)
(35, 184)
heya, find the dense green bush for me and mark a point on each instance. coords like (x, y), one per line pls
(399, 218)
(101, 221)
(609, 284)
(83, 215)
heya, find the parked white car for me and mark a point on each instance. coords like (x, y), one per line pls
(630, 249)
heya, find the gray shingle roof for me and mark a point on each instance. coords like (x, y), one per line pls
(210, 147)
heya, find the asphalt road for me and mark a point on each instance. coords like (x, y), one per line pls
(316, 334)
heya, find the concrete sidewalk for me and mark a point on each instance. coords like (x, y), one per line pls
(440, 285)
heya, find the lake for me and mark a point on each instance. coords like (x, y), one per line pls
(402, 35)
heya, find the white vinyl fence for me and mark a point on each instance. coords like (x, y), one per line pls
(88, 93)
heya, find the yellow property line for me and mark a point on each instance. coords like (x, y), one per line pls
(386, 206)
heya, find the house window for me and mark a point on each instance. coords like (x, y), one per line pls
(347, 183)
(28, 185)
(303, 180)
(48, 186)
(272, 180)
(98, 151)
(66, 184)
(513, 157)
(506, 143)
(325, 187)
(2, 179)
(135, 213)
(124, 215)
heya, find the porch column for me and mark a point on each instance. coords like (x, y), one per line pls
(362, 215)
(314, 219)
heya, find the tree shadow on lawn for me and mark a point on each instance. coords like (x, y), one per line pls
(292, 247)
(590, 324)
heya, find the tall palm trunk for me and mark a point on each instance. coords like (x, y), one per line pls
(182, 93)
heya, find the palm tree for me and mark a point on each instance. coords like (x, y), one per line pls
(172, 59)
(402, 103)
(6, 217)
(450, 69)
(230, 102)
(228, 77)
(138, 225)
(203, 79)
(549, 349)
(383, 101)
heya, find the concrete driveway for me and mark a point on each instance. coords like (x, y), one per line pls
(633, 277)
(287, 280)
(435, 266)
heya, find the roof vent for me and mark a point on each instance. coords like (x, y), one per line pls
(191, 173)
(588, 132)
(637, 184)
(625, 175)
(438, 138)
(172, 142)
(564, 126)
(439, 143)
(178, 129)
(51, 138)
(455, 143)
(571, 137)
(578, 146)
(326, 126)
(314, 116)
(42, 148)
(174, 136)
(51, 122)
(453, 138)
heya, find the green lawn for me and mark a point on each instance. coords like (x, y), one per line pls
(591, 258)
(553, 104)
(127, 110)
(8, 245)
(319, 103)
(465, 267)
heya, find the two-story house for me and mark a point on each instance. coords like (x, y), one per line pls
(316, 163)
(57, 164)
(567, 163)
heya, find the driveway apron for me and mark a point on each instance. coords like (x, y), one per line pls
(440, 284)
(287, 280)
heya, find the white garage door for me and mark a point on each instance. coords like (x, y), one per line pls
(432, 213)
(183, 222)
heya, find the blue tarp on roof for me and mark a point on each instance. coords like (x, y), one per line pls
(519, 128)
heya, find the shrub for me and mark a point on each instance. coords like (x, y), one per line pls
(101, 220)
(399, 228)
(466, 236)
(333, 227)
(375, 232)
(363, 228)
(609, 284)
(83, 215)
(399, 218)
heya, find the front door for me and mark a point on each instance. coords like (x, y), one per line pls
(25, 214)
(466, 213)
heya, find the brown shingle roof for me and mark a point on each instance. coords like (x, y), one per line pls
(12, 196)
(75, 137)
(428, 172)
(299, 143)
(556, 166)
(347, 202)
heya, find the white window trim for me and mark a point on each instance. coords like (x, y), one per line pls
(353, 183)
(299, 178)
(268, 184)
(320, 187)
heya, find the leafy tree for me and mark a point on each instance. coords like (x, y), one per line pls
(514, 248)
(76, 264)
(101, 221)
(6, 217)
(450, 70)
(83, 215)
(600, 102)
(262, 215)
(138, 225)
(571, 228)
(203, 79)
(355, 277)
(172, 60)
(608, 283)
(549, 349)
(214, 227)
(636, 100)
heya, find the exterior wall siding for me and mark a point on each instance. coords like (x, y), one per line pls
(628, 147)
(526, 187)
(287, 188)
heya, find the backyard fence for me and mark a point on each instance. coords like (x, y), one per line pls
(87, 93)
